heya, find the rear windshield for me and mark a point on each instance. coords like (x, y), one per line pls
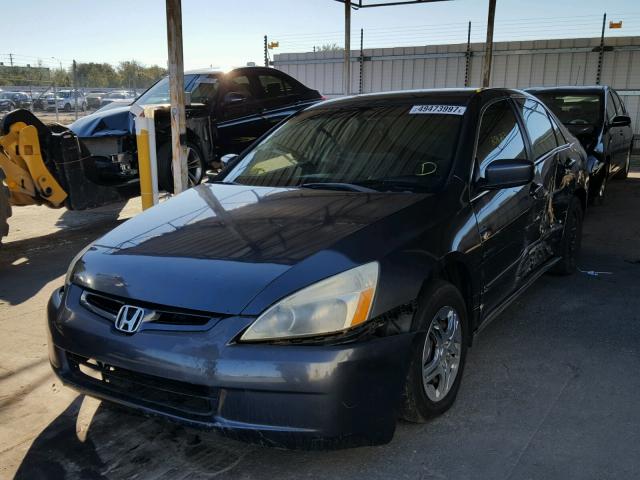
(573, 109)
(378, 147)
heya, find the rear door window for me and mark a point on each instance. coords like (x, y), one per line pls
(539, 127)
(274, 86)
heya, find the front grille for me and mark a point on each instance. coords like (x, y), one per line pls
(187, 400)
(108, 307)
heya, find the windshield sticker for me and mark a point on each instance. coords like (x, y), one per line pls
(438, 109)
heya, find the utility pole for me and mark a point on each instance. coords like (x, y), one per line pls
(55, 99)
(468, 57)
(266, 52)
(361, 57)
(176, 93)
(601, 53)
(488, 49)
(347, 47)
(11, 59)
(75, 88)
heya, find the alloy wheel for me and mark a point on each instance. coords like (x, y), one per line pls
(441, 354)
(194, 166)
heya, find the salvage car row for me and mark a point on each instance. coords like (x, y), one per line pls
(332, 277)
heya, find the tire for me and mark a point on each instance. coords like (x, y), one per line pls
(67, 107)
(5, 208)
(600, 193)
(423, 398)
(571, 239)
(624, 173)
(165, 168)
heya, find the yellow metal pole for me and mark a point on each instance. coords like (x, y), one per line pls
(144, 166)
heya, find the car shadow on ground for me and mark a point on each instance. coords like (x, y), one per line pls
(29, 264)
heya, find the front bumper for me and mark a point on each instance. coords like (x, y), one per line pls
(296, 396)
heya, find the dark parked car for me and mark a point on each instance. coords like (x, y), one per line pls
(94, 99)
(227, 112)
(335, 274)
(598, 117)
(13, 100)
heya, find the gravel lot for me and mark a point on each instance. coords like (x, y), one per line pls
(551, 387)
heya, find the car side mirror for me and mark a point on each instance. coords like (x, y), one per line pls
(233, 98)
(621, 121)
(506, 174)
(228, 159)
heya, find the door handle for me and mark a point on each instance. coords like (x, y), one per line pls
(537, 191)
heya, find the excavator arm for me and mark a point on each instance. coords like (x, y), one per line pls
(46, 165)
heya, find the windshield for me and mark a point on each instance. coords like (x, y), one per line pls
(379, 147)
(573, 109)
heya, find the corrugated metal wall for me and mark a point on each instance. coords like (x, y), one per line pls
(517, 64)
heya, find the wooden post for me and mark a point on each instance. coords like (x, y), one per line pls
(347, 48)
(488, 48)
(176, 94)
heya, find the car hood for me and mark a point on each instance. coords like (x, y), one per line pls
(215, 247)
(113, 122)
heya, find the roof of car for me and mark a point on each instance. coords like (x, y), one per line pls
(220, 70)
(569, 88)
(462, 95)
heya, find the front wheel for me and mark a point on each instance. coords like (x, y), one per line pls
(195, 166)
(624, 173)
(599, 195)
(438, 359)
(571, 239)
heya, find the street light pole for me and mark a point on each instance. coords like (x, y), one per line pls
(488, 49)
(347, 47)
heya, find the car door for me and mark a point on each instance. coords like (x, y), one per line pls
(549, 152)
(613, 142)
(278, 96)
(503, 215)
(625, 133)
(240, 119)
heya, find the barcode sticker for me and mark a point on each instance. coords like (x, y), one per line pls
(438, 109)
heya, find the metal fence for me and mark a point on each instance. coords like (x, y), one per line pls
(518, 64)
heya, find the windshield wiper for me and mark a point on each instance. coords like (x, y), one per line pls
(392, 183)
(349, 187)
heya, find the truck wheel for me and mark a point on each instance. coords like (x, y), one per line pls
(67, 107)
(438, 358)
(571, 239)
(195, 165)
(5, 208)
(600, 192)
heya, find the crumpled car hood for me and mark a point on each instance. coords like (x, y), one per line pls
(114, 122)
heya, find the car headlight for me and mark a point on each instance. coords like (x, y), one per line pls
(332, 305)
(69, 276)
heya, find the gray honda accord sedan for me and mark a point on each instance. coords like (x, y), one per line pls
(332, 277)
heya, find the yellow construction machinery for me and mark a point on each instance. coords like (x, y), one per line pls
(45, 165)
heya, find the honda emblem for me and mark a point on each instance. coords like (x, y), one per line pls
(129, 318)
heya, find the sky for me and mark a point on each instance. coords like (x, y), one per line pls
(230, 32)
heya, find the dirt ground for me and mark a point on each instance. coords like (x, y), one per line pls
(551, 387)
